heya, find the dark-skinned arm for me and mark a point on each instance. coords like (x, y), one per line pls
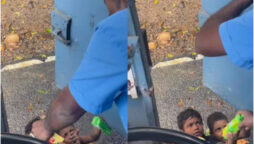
(94, 136)
(63, 111)
(208, 40)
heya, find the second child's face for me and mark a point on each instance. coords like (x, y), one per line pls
(193, 126)
(217, 129)
(64, 132)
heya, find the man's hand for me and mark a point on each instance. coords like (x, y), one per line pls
(94, 136)
(247, 121)
(40, 131)
(231, 138)
(63, 111)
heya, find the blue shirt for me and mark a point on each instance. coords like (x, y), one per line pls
(101, 77)
(237, 39)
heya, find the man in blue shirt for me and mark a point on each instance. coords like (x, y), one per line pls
(100, 79)
(227, 33)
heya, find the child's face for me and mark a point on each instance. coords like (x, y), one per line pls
(217, 129)
(64, 132)
(193, 126)
(70, 135)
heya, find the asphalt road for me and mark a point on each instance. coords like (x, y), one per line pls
(29, 91)
(183, 82)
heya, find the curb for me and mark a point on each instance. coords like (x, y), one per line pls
(53, 58)
(27, 63)
(177, 61)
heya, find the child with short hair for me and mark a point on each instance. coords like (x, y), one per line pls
(216, 122)
(70, 134)
(190, 122)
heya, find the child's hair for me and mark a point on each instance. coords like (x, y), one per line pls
(28, 127)
(186, 114)
(212, 118)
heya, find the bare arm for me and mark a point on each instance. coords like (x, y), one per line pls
(248, 119)
(63, 111)
(94, 136)
(208, 40)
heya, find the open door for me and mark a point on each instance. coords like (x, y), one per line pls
(142, 109)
